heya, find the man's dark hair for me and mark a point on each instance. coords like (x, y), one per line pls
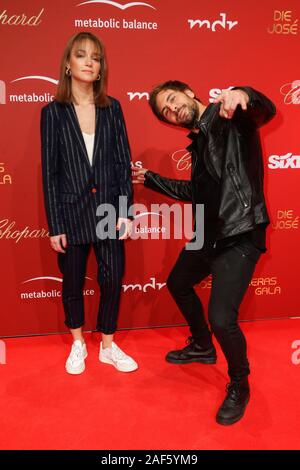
(169, 85)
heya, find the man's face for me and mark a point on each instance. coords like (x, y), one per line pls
(178, 107)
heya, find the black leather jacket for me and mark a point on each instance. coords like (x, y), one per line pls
(233, 157)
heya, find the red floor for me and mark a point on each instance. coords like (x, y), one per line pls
(161, 406)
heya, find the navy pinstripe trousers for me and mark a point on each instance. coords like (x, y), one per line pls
(72, 264)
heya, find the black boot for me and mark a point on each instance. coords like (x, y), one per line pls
(193, 352)
(234, 405)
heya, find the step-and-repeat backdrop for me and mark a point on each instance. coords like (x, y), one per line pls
(210, 45)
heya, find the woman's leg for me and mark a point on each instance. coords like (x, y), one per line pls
(73, 267)
(110, 258)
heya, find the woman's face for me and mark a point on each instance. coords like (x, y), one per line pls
(84, 62)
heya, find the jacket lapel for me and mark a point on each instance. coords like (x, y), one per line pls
(97, 134)
(75, 128)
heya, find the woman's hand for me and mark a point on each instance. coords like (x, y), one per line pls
(139, 174)
(128, 227)
(58, 242)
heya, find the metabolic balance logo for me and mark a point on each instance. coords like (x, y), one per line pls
(28, 97)
(213, 25)
(116, 23)
(118, 5)
(46, 293)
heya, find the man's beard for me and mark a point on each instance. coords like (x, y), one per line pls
(192, 118)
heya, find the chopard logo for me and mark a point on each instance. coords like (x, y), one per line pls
(6, 231)
(223, 23)
(20, 20)
(139, 95)
(291, 92)
(118, 5)
(182, 159)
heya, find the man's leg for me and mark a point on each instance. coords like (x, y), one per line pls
(191, 268)
(232, 271)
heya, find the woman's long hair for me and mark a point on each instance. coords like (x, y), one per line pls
(64, 90)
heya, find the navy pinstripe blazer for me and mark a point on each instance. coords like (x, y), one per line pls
(73, 188)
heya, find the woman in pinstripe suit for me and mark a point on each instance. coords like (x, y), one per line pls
(86, 163)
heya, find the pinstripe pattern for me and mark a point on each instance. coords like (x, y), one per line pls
(110, 259)
(68, 180)
(68, 176)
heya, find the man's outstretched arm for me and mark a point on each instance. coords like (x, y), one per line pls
(245, 104)
(177, 189)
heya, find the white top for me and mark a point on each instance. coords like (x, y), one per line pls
(89, 143)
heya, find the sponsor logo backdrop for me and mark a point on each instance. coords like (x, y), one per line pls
(211, 46)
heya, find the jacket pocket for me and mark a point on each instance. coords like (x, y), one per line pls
(237, 185)
(68, 198)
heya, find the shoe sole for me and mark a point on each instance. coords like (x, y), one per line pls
(77, 371)
(227, 422)
(107, 361)
(190, 361)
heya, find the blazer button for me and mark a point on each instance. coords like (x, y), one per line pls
(94, 190)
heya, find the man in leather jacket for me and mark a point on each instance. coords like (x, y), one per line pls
(227, 177)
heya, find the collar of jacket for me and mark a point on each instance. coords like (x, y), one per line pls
(203, 124)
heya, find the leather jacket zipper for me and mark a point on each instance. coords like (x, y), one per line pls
(237, 185)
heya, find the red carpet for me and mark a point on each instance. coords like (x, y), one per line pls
(161, 406)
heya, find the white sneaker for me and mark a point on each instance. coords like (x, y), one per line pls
(116, 357)
(75, 363)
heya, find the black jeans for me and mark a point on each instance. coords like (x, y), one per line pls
(110, 259)
(232, 269)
